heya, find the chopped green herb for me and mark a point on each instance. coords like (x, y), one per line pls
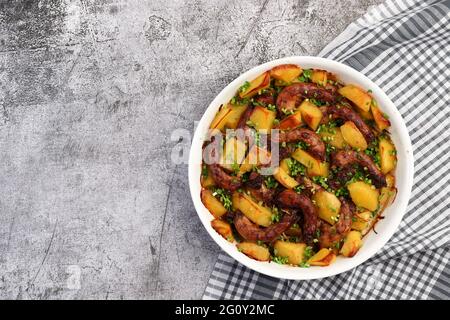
(204, 171)
(244, 87)
(270, 182)
(224, 197)
(295, 167)
(322, 181)
(305, 76)
(271, 107)
(280, 260)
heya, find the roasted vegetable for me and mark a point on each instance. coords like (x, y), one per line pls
(254, 251)
(249, 89)
(357, 95)
(324, 257)
(256, 212)
(228, 117)
(333, 137)
(329, 206)
(212, 204)
(380, 120)
(364, 195)
(256, 157)
(262, 118)
(294, 252)
(351, 244)
(285, 72)
(223, 228)
(387, 155)
(283, 177)
(313, 166)
(311, 114)
(291, 122)
(233, 155)
(353, 136)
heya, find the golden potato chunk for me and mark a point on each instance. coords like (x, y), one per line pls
(329, 206)
(256, 156)
(254, 251)
(311, 114)
(262, 118)
(361, 220)
(207, 180)
(234, 153)
(324, 257)
(319, 77)
(291, 122)
(249, 89)
(364, 195)
(257, 213)
(356, 95)
(228, 117)
(223, 228)
(353, 136)
(380, 120)
(352, 244)
(314, 167)
(286, 72)
(284, 178)
(212, 203)
(334, 137)
(294, 252)
(387, 155)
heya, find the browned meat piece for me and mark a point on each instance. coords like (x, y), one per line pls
(250, 231)
(242, 123)
(291, 199)
(224, 179)
(348, 159)
(348, 114)
(330, 236)
(316, 147)
(265, 98)
(292, 95)
(258, 188)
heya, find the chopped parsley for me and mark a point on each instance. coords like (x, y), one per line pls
(204, 171)
(270, 182)
(322, 181)
(235, 167)
(244, 87)
(295, 167)
(280, 260)
(308, 253)
(224, 197)
(271, 107)
(305, 76)
(276, 215)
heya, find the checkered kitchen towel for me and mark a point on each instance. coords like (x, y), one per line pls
(405, 48)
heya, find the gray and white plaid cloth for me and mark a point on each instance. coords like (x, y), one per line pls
(404, 47)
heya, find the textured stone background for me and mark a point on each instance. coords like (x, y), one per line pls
(90, 92)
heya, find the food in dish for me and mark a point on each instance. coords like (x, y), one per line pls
(298, 167)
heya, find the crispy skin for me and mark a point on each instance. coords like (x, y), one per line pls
(224, 179)
(316, 146)
(291, 199)
(348, 114)
(345, 160)
(250, 231)
(330, 235)
(292, 95)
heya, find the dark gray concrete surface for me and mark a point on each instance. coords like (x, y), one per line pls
(91, 206)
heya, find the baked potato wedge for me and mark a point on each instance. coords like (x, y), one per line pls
(358, 96)
(286, 72)
(352, 243)
(314, 167)
(333, 137)
(290, 122)
(262, 118)
(387, 155)
(364, 195)
(228, 117)
(311, 114)
(294, 252)
(380, 120)
(256, 156)
(353, 136)
(249, 89)
(284, 178)
(257, 213)
(328, 206)
(324, 257)
(223, 228)
(254, 251)
(319, 77)
(212, 203)
(206, 179)
(361, 220)
(233, 153)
